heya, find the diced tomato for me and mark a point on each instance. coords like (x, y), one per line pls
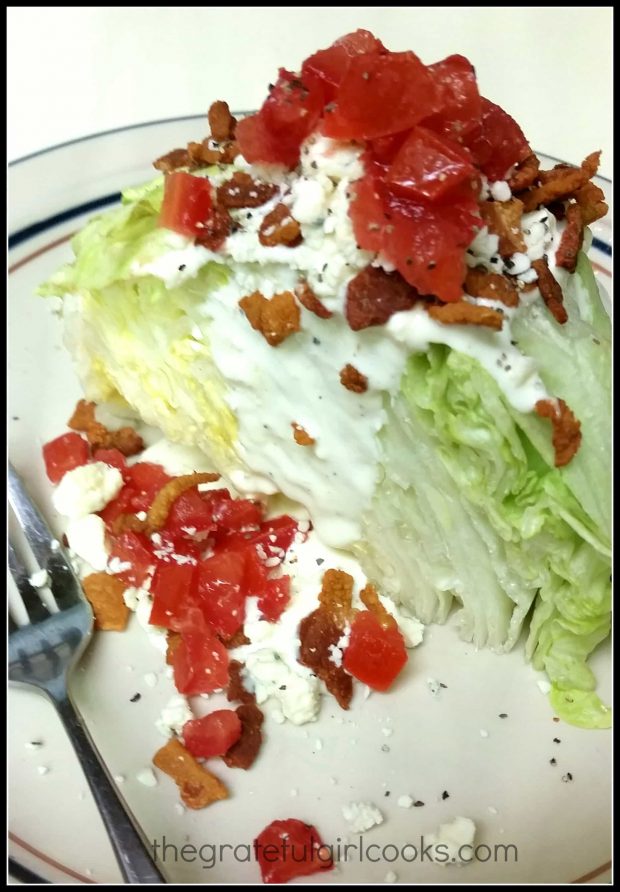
(330, 65)
(290, 848)
(187, 204)
(63, 454)
(146, 479)
(134, 549)
(256, 142)
(384, 150)
(220, 592)
(122, 504)
(461, 105)
(428, 166)
(171, 588)
(275, 598)
(112, 457)
(498, 142)
(291, 112)
(213, 734)
(255, 574)
(380, 95)
(190, 512)
(374, 655)
(236, 515)
(200, 661)
(169, 547)
(274, 536)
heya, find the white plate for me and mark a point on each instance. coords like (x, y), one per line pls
(504, 781)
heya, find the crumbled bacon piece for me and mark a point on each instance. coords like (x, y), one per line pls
(236, 689)
(216, 229)
(209, 152)
(241, 191)
(591, 200)
(337, 593)
(169, 493)
(301, 436)
(566, 437)
(221, 123)
(370, 599)
(561, 182)
(126, 439)
(308, 299)
(173, 160)
(197, 785)
(238, 639)
(374, 295)
(550, 291)
(318, 632)
(479, 283)
(105, 595)
(276, 319)
(279, 228)
(571, 240)
(173, 639)
(464, 313)
(353, 380)
(243, 753)
(503, 218)
(524, 174)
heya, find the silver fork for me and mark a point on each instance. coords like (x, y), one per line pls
(42, 654)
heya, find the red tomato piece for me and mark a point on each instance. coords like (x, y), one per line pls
(236, 515)
(122, 504)
(220, 592)
(273, 536)
(187, 203)
(135, 549)
(498, 142)
(213, 734)
(146, 479)
(291, 112)
(330, 65)
(200, 661)
(63, 454)
(256, 142)
(290, 848)
(461, 105)
(275, 598)
(255, 575)
(428, 166)
(380, 95)
(374, 655)
(190, 512)
(171, 588)
(112, 457)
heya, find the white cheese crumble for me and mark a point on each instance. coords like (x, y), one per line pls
(450, 840)
(87, 538)
(361, 816)
(404, 801)
(87, 489)
(147, 777)
(42, 769)
(173, 716)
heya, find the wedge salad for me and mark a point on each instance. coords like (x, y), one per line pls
(368, 299)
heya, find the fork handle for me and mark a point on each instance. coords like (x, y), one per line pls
(132, 855)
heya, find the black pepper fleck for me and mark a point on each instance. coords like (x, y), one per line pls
(316, 341)
(503, 715)
(182, 267)
(418, 803)
(552, 762)
(557, 740)
(385, 748)
(320, 561)
(567, 777)
(387, 793)
(445, 795)
(135, 698)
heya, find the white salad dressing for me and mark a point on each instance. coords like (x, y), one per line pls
(299, 381)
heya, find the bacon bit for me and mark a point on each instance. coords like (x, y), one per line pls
(561, 183)
(173, 639)
(230, 150)
(243, 753)
(279, 228)
(241, 191)
(276, 318)
(221, 123)
(216, 229)
(202, 153)
(301, 436)
(374, 295)
(492, 286)
(572, 239)
(370, 599)
(308, 299)
(591, 200)
(236, 689)
(591, 163)
(503, 218)
(198, 786)
(463, 313)
(126, 439)
(336, 594)
(525, 174)
(169, 493)
(126, 523)
(353, 380)
(317, 633)
(550, 291)
(566, 437)
(105, 594)
(237, 639)
(173, 160)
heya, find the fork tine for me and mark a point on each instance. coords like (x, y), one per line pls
(35, 608)
(66, 587)
(35, 529)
